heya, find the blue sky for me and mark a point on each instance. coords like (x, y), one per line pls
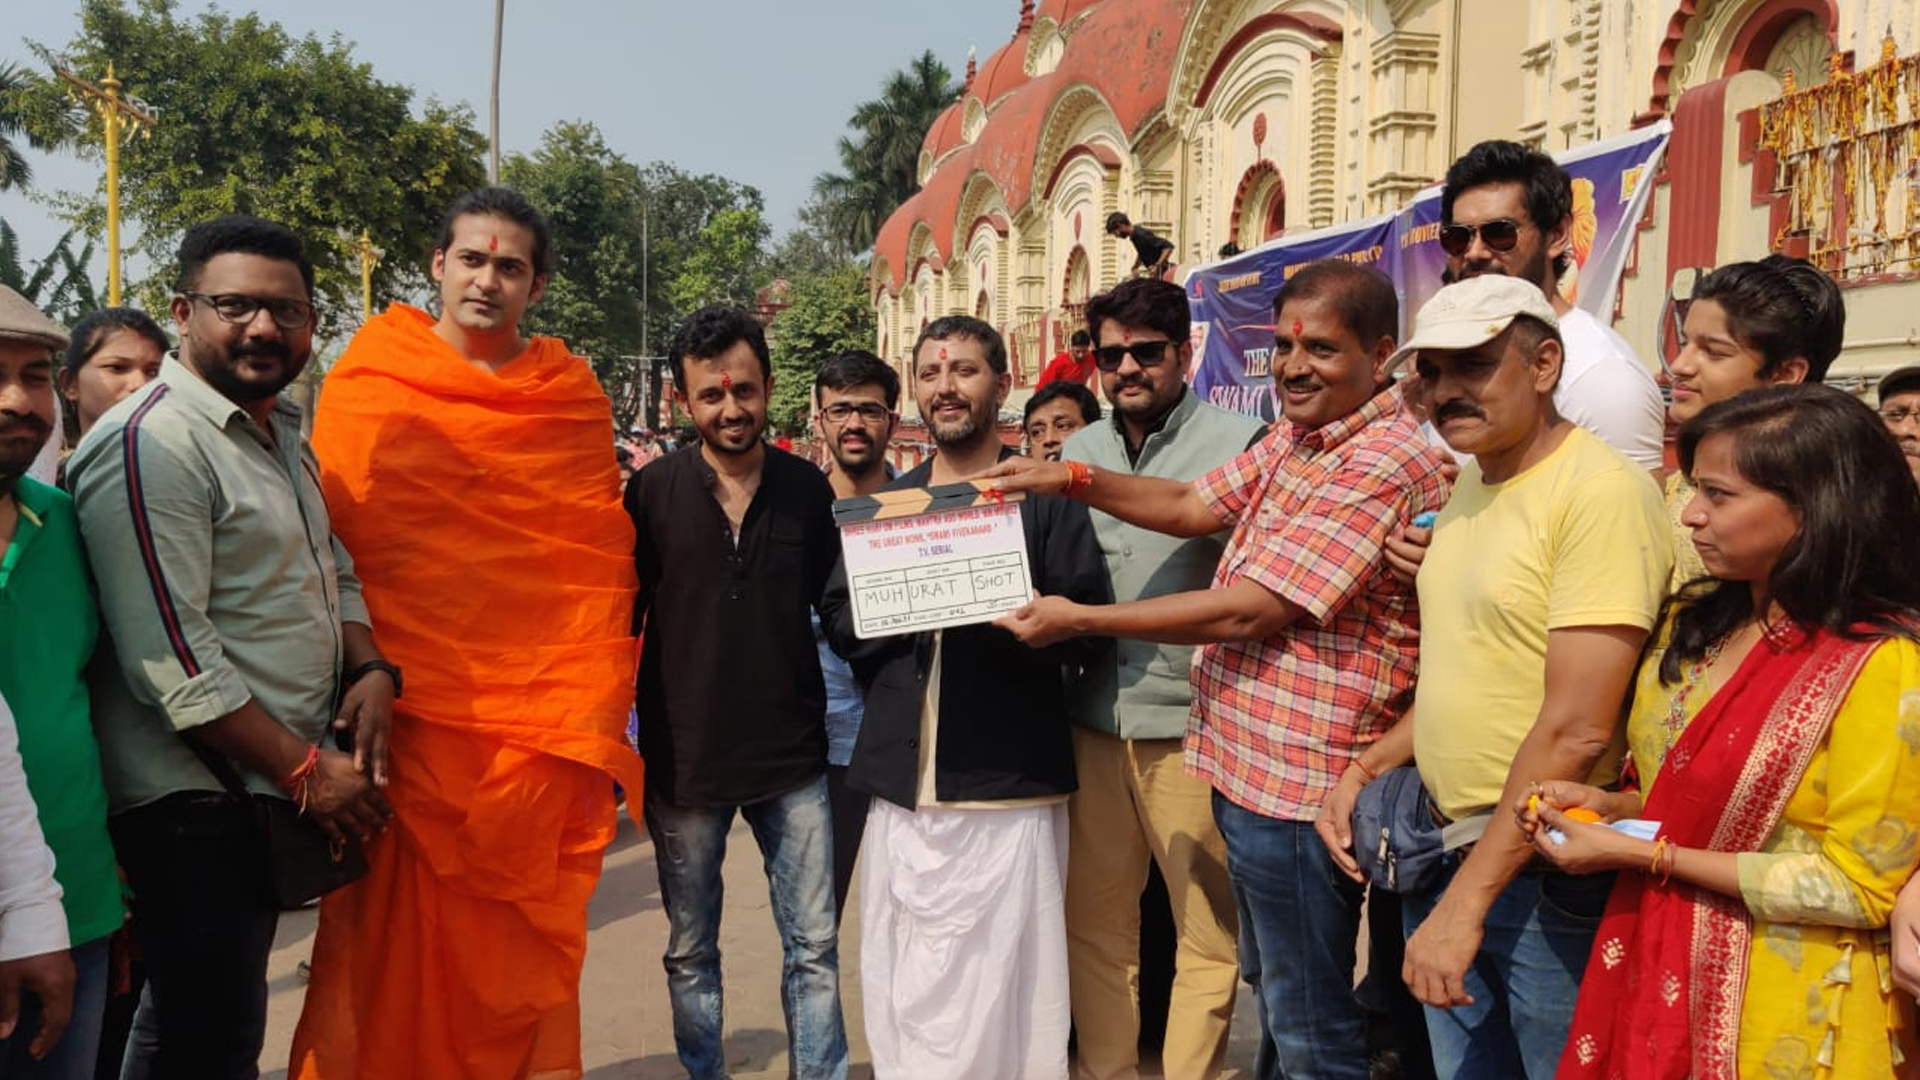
(755, 90)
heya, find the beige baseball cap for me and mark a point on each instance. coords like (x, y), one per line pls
(1474, 312)
(21, 321)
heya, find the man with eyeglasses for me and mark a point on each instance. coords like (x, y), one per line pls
(240, 631)
(1508, 209)
(1900, 408)
(855, 395)
(1308, 642)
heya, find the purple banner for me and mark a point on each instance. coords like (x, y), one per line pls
(1233, 308)
(1233, 299)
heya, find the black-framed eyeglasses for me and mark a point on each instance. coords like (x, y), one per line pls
(1500, 234)
(869, 412)
(238, 308)
(1145, 353)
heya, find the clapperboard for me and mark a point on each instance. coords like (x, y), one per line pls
(924, 558)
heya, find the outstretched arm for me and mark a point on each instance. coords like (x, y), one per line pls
(1166, 506)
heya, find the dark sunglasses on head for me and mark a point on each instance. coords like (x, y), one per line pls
(1500, 234)
(1145, 353)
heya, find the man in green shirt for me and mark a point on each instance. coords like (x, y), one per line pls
(47, 631)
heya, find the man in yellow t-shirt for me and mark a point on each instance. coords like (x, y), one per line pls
(1546, 571)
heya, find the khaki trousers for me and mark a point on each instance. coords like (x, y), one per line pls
(1136, 802)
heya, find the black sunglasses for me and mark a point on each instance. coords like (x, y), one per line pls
(1145, 353)
(1500, 234)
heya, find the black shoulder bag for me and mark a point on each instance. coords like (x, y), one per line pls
(303, 863)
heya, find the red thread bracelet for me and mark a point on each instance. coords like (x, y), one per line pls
(300, 773)
(1364, 771)
(1079, 477)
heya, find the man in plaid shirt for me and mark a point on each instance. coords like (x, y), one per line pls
(1308, 640)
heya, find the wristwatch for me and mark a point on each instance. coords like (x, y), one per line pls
(361, 672)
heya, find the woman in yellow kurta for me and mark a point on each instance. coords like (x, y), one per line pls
(1776, 727)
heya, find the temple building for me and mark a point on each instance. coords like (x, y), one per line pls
(1796, 127)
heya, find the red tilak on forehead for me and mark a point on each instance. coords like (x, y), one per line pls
(726, 381)
(943, 352)
(493, 243)
(1126, 337)
(1296, 328)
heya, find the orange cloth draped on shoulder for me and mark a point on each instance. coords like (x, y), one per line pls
(482, 512)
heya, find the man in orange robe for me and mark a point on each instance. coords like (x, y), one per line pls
(470, 466)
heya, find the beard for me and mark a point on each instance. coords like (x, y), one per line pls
(861, 459)
(226, 372)
(740, 440)
(21, 439)
(1536, 269)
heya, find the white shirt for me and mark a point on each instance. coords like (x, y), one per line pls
(31, 921)
(1605, 389)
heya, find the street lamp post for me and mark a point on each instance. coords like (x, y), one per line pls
(118, 115)
(369, 258)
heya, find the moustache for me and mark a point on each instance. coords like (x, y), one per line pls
(1453, 410)
(1300, 385)
(26, 423)
(275, 349)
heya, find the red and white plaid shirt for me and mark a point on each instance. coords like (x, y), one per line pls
(1275, 722)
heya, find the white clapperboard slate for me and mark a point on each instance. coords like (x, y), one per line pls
(925, 558)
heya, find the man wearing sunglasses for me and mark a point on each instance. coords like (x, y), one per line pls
(1508, 209)
(1136, 802)
(1308, 643)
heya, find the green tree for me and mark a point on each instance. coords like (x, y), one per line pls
(592, 199)
(30, 113)
(635, 249)
(828, 313)
(59, 284)
(725, 265)
(254, 120)
(879, 162)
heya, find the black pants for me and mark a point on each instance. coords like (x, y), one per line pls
(849, 809)
(200, 913)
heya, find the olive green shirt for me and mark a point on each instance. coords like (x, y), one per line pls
(220, 579)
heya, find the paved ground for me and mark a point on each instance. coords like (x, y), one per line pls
(627, 1033)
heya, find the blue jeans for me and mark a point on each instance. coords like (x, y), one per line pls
(1299, 920)
(1524, 981)
(72, 1057)
(795, 834)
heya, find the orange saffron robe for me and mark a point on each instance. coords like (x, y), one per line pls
(483, 513)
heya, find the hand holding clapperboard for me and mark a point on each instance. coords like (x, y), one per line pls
(924, 558)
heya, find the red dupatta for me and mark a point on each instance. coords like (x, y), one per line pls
(1664, 985)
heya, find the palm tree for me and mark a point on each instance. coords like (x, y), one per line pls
(14, 170)
(879, 161)
(60, 284)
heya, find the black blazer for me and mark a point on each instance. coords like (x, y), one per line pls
(1004, 732)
